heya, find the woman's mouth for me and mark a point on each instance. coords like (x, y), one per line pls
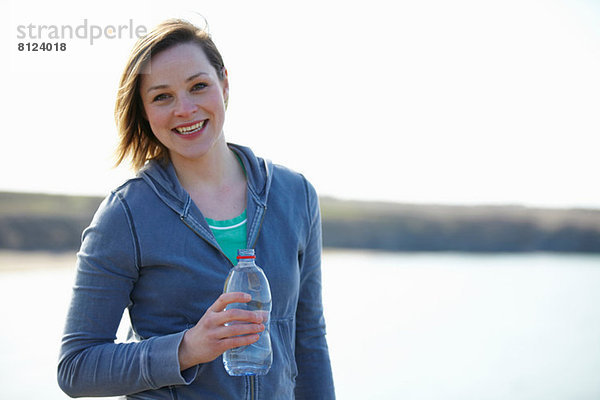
(190, 129)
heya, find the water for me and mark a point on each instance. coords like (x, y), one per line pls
(458, 326)
(421, 326)
(34, 296)
(247, 277)
(256, 358)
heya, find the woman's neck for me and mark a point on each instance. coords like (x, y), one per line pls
(216, 182)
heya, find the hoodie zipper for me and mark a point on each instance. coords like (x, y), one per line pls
(251, 387)
(253, 378)
(182, 218)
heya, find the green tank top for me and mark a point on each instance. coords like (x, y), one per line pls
(230, 234)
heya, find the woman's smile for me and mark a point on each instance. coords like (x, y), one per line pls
(190, 130)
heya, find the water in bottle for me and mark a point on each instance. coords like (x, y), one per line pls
(247, 277)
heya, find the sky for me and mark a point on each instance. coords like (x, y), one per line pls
(463, 102)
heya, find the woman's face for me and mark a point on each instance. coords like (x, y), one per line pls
(184, 101)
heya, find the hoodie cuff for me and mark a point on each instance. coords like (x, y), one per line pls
(163, 362)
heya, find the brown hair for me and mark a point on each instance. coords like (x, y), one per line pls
(136, 140)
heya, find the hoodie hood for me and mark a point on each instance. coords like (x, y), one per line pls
(259, 172)
(163, 180)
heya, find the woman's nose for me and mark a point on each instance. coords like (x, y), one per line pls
(185, 106)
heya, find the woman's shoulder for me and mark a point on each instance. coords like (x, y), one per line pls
(294, 188)
(285, 173)
(155, 177)
(289, 178)
(133, 189)
(126, 195)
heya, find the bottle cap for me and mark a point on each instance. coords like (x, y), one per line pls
(245, 254)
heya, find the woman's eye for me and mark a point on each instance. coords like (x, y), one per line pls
(160, 97)
(199, 86)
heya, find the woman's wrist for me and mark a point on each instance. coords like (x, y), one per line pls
(184, 356)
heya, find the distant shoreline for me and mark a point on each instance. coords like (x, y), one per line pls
(42, 222)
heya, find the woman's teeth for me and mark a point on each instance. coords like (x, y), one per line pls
(188, 130)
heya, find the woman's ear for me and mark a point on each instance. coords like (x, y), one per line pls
(225, 84)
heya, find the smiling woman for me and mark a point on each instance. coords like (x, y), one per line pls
(140, 100)
(184, 102)
(150, 247)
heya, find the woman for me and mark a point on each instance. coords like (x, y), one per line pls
(155, 247)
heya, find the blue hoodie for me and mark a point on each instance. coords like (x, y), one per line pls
(150, 250)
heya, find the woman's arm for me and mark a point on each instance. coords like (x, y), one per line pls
(90, 363)
(314, 379)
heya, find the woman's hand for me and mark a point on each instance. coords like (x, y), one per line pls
(209, 338)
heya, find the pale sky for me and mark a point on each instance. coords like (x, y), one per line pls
(461, 102)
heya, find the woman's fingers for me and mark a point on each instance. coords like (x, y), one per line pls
(219, 330)
(239, 329)
(228, 298)
(222, 317)
(235, 315)
(238, 341)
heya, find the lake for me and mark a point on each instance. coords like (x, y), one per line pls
(440, 326)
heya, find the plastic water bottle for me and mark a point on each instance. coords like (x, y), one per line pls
(247, 277)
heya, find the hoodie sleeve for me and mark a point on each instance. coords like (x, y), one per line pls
(314, 380)
(90, 362)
